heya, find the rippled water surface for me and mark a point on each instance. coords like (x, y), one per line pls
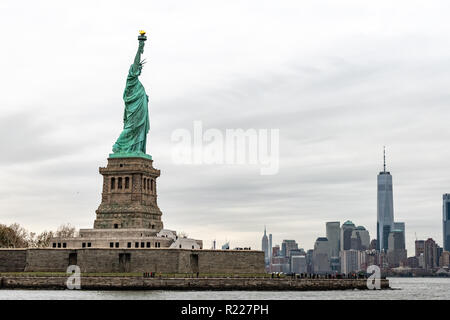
(403, 288)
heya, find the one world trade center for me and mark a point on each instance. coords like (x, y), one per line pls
(385, 207)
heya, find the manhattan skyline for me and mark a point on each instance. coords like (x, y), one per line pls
(338, 83)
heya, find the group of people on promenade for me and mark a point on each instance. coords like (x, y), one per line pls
(305, 275)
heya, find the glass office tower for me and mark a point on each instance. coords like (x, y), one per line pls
(446, 221)
(385, 207)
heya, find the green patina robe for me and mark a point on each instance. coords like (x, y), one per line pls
(136, 124)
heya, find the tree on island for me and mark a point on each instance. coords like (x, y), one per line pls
(66, 231)
(15, 236)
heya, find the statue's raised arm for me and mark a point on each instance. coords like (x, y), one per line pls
(137, 59)
(136, 67)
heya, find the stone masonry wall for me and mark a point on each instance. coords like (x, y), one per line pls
(92, 260)
(51, 260)
(224, 261)
(141, 260)
(12, 260)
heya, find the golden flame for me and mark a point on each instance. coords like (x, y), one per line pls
(142, 32)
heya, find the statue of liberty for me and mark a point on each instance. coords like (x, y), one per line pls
(133, 139)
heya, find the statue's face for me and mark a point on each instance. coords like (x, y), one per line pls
(139, 70)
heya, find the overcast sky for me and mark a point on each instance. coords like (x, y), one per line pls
(339, 79)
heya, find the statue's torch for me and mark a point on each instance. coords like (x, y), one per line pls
(142, 36)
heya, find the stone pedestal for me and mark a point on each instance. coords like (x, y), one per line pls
(129, 198)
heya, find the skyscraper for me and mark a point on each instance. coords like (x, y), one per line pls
(275, 251)
(298, 264)
(333, 236)
(270, 247)
(350, 261)
(431, 259)
(420, 247)
(396, 249)
(444, 261)
(287, 246)
(373, 244)
(309, 260)
(446, 221)
(321, 256)
(265, 246)
(400, 226)
(360, 239)
(385, 207)
(346, 235)
(396, 240)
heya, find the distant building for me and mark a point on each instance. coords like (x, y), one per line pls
(444, 260)
(413, 262)
(371, 257)
(385, 207)
(276, 251)
(280, 264)
(373, 244)
(321, 256)
(265, 247)
(287, 246)
(280, 267)
(446, 221)
(400, 226)
(297, 252)
(298, 264)
(396, 248)
(333, 236)
(270, 247)
(420, 247)
(346, 235)
(439, 252)
(421, 260)
(431, 259)
(309, 260)
(396, 240)
(280, 260)
(350, 261)
(335, 264)
(360, 239)
(382, 258)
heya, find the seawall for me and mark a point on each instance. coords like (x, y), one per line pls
(141, 283)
